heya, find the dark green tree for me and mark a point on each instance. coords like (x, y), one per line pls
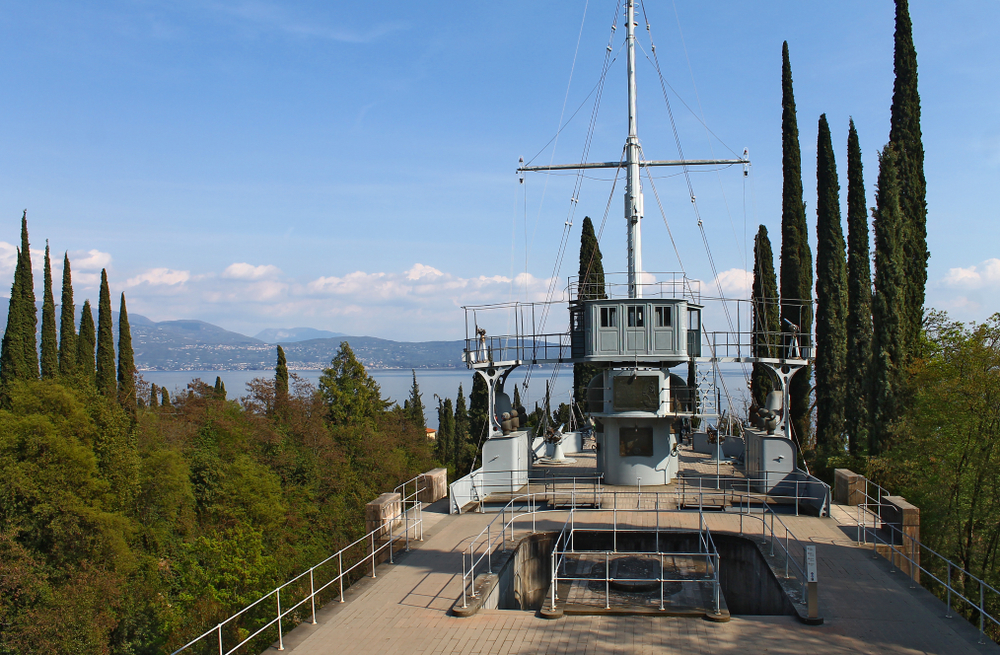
(220, 388)
(462, 441)
(831, 302)
(50, 345)
(888, 307)
(29, 313)
(164, 397)
(67, 328)
(105, 342)
(126, 361)
(766, 319)
(905, 137)
(416, 405)
(446, 432)
(479, 410)
(517, 398)
(796, 257)
(590, 286)
(859, 301)
(85, 344)
(350, 394)
(281, 376)
(12, 364)
(154, 396)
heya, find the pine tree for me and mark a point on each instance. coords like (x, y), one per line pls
(796, 257)
(462, 439)
(164, 397)
(766, 321)
(12, 365)
(517, 401)
(590, 286)
(67, 329)
(85, 345)
(888, 306)
(859, 300)
(154, 396)
(351, 395)
(105, 342)
(905, 137)
(50, 346)
(831, 301)
(281, 376)
(29, 315)
(416, 405)
(126, 361)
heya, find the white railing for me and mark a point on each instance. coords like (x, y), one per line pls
(788, 489)
(913, 551)
(479, 554)
(478, 485)
(374, 544)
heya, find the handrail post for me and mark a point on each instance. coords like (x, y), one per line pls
(489, 548)
(948, 615)
(607, 580)
(340, 573)
(312, 594)
(392, 520)
(373, 553)
(661, 578)
(614, 520)
(465, 603)
(281, 639)
(796, 498)
(221, 650)
(406, 523)
(982, 612)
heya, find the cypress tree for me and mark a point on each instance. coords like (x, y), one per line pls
(416, 405)
(478, 410)
(281, 376)
(67, 329)
(590, 286)
(164, 397)
(154, 396)
(461, 440)
(888, 306)
(12, 365)
(796, 257)
(85, 345)
(859, 300)
(220, 388)
(446, 432)
(831, 301)
(50, 346)
(105, 341)
(907, 142)
(766, 321)
(29, 313)
(517, 402)
(126, 361)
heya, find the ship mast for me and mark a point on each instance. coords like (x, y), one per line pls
(633, 184)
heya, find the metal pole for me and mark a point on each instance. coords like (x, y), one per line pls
(661, 580)
(472, 568)
(340, 574)
(772, 534)
(221, 651)
(552, 585)
(607, 580)
(391, 522)
(464, 601)
(796, 498)
(981, 612)
(373, 554)
(614, 521)
(489, 550)
(715, 565)
(406, 522)
(281, 639)
(948, 615)
(312, 595)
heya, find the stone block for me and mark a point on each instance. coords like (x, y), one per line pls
(433, 485)
(848, 487)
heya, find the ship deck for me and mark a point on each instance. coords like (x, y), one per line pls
(867, 605)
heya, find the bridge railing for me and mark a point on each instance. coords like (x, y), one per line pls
(294, 601)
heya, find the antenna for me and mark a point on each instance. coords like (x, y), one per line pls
(633, 186)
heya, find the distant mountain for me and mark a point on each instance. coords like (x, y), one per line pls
(189, 345)
(288, 335)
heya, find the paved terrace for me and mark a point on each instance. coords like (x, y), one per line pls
(405, 610)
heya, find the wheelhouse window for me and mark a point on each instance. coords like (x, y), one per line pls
(609, 317)
(635, 316)
(663, 316)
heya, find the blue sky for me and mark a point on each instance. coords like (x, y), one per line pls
(259, 164)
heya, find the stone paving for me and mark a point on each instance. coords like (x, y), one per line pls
(866, 608)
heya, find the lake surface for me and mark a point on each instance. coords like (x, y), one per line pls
(395, 384)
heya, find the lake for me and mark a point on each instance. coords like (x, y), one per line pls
(395, 384)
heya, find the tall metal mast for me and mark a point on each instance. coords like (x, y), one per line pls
(633, 184)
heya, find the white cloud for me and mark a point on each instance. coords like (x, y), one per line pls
(244, 271)
(8, 258)
(735, 283)
(89, 260)
(159, 276)
(975, 277)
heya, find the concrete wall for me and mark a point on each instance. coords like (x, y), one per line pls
(661, 468)
(524, 578)
(848, 487)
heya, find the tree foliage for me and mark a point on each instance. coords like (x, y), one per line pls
(281, 376)
(766, 319)
(106, 383)
(351, 395)
(67, 328)
(85, 344)
(590, 286)
(126, 361)
(415, 404)
(50, 345)
(796, 256)
(831, 302)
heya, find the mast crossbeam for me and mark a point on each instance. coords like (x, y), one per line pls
(642, 164)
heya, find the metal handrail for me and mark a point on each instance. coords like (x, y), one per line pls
(412, 519)
(731, 483)
(490, 535)
(916, 547)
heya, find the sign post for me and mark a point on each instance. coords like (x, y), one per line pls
(812, 582)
